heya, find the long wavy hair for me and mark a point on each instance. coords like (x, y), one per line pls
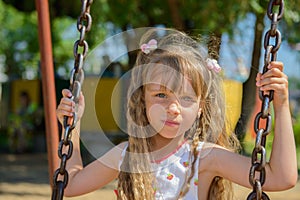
(184, 58)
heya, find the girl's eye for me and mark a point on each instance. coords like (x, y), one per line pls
(188, 98)
(161, 95)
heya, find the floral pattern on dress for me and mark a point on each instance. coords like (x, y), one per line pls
(171, 172)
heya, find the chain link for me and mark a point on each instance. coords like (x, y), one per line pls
(84, 23)
(259, 152)
(61, 176)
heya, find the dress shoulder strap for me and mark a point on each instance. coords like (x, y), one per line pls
(200, 146)
(123, 155)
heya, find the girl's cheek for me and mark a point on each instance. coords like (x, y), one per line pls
(156, 114)
(156, 110)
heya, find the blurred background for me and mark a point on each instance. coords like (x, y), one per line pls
(233, 31)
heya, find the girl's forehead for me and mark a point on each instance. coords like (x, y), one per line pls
(160, 73)
(173, 85)
(173, 78)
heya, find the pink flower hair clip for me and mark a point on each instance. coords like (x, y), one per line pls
(212, 64)
(148, 47)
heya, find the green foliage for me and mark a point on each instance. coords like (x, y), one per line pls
(214, 16)
(19, 26)
(291, 23)
(18, 39)
(292, 12)
(24, 6)
(19, 35)
(296, 128)
(63, 38)
(294, 83)
(256, 7)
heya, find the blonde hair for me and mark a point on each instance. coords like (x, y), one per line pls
(186, 57)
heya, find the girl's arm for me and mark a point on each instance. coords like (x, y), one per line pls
(98, 173)
(282, 168)
(281, 171)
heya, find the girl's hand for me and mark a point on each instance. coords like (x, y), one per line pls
(274, 79)
(66, 106)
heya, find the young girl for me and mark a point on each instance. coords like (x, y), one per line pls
(179, 146)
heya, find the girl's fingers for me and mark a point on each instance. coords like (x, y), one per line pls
(66, 93)
(276, 86)
(67, 102)
(273, 83)
(274, 70)
(62, 113)
(66, 106)
(258, 76)
(274, 79)
(273, 75)
(64, 109)
(276, 64)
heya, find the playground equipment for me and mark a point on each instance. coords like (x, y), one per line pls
(60, 177)
(259, 152)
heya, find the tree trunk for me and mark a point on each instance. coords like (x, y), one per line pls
(249, 87)
(214, 45)
(175, 14)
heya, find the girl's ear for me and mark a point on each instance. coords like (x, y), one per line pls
(199, 112)
(201, 105)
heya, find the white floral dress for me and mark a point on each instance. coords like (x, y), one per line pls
(170, 173)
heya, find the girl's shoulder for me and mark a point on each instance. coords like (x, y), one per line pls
(212, 153)
(122, 145)
(208, 148)
(113, 157)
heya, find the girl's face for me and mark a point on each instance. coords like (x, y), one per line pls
(171, 113)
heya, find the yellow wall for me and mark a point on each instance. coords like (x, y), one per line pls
(98, 104)
(98, 112)
(233, 97)
(32, 87)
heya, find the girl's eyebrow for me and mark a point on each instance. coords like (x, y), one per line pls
(161, 89)
(157, 87)
(158, 90)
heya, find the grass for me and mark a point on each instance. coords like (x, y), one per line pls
(249, 143)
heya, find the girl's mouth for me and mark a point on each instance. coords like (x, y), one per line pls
(171, 123)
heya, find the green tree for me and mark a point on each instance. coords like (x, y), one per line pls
(249, 89)
(209, 18)
(291, 24)
(19, 35)
(18, 40)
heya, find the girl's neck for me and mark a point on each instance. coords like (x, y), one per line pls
(161, 146)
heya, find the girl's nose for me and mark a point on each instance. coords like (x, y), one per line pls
(173, 108)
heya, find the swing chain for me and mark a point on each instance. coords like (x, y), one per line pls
(61, 176)
(259, 152)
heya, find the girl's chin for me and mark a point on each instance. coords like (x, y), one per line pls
(169, 132)
(169, 135)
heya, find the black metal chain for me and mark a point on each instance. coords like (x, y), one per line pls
(259, 151)
(61, 176)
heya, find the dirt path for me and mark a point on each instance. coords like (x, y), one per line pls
(24, 177)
